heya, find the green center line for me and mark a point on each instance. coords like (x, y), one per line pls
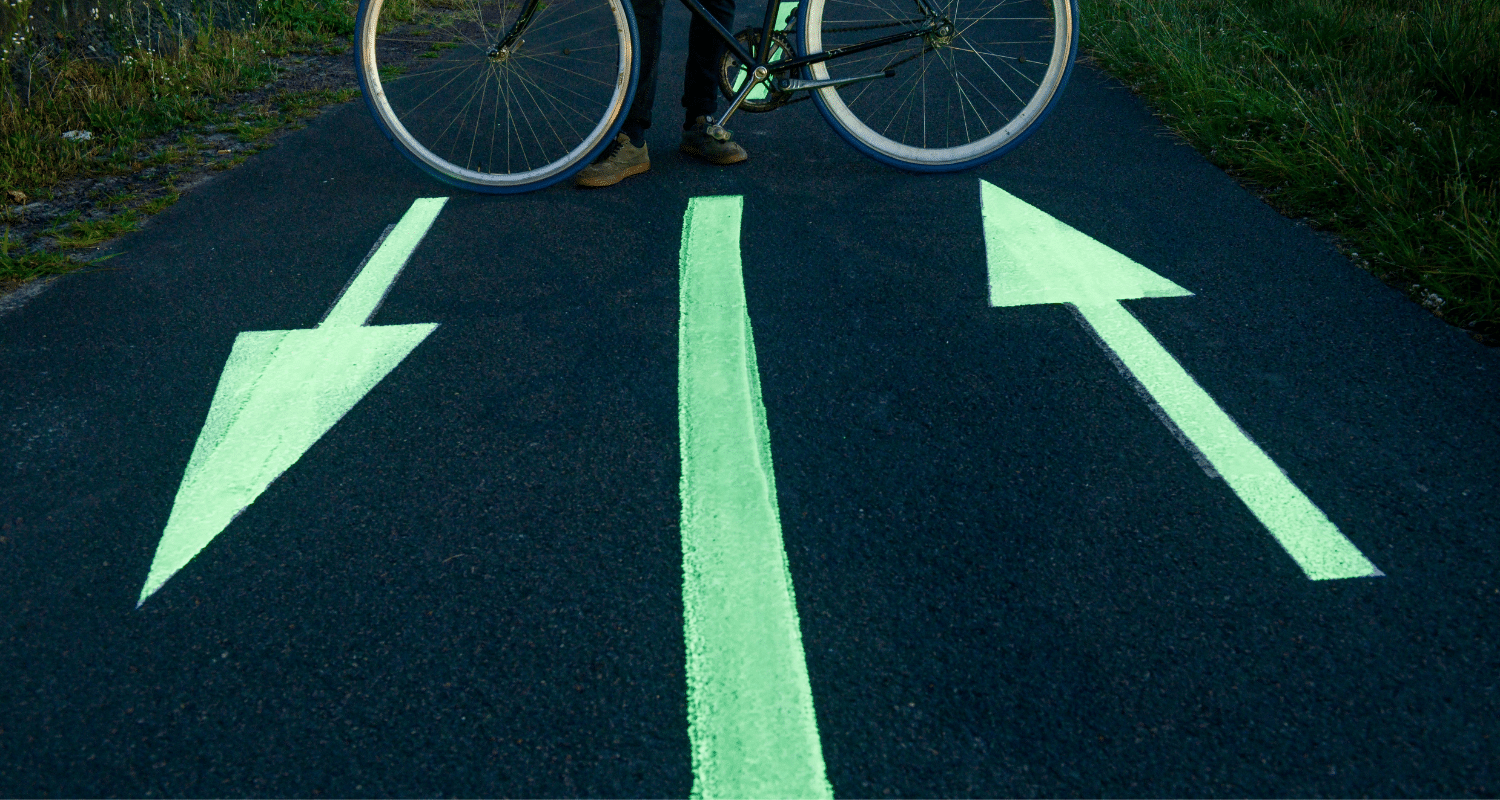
(1035, 258)
(750, 710)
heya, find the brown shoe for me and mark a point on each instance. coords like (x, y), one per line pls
(697, 142)
(620, 160)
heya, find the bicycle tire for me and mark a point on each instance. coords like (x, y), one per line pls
(544, 110)
(1001, 88)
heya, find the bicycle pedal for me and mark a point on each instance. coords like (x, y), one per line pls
(718, 133)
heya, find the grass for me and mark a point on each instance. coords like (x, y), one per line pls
(1378, 120)
(18, 265)
(124, 105)
(147, 112)
(74, 235)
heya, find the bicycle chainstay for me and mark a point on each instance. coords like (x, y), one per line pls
(785, 40)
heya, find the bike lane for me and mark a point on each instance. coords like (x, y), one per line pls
(1011, 577)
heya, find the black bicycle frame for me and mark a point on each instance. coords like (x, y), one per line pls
(767, 28)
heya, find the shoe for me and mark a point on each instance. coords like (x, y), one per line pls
(697, 142)
(620, 160)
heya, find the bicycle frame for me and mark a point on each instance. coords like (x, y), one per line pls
(768, 27)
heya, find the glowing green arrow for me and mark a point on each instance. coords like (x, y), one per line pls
(280, 392)
(1034, 258)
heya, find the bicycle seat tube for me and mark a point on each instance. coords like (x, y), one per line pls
(729, 41)
(768, 26)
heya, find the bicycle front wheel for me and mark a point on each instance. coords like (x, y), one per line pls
(969, 90)
(497, 119)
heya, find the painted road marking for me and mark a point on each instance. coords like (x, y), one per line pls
(1035, 258)
(750, 709)
(281, 391)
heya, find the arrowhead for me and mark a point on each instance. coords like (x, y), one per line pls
(1036, 258)
(280, 392)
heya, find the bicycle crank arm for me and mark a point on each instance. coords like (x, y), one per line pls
(716, 130)
(797, 85)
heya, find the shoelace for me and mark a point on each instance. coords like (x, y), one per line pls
(609, 152)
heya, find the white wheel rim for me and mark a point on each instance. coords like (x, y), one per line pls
(1061, 43)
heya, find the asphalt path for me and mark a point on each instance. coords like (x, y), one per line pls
(1012, 578)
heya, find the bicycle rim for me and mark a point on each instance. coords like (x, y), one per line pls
(956, 101)
(516, 121)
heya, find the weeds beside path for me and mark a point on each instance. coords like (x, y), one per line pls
(1376, 120)
(105, 146)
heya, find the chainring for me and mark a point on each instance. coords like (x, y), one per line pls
(732, 74)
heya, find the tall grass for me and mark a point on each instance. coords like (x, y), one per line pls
(140, 80)
(153, 84)
(121, 105)
(1378, 120)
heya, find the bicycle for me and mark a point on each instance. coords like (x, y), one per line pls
(507, 96)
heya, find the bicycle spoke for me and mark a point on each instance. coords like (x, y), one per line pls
(456, 118)
(982, 94)
(434, 92)
(904, 100)
(587, 101)
(429, 73)
(574, 72)
(473, 137)
(963, 115)
(541, 148)
(555, 107)
(538, 29)
(1002, 80)
(1009, 60)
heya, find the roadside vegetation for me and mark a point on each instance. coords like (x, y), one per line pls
(1375, 120)
(148, 92)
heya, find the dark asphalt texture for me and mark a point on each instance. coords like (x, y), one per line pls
(1012, 579)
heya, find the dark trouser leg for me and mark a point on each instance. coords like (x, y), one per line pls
(648, 28)
(700, 86)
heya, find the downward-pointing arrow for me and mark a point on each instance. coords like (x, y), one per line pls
(281, 391)
(1034, 258)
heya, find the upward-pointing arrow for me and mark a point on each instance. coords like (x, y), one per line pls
(1034, 258)
(281, 391)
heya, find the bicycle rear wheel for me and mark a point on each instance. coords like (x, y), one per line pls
(962, 96)
(491, 121)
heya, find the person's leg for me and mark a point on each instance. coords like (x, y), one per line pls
(700, 84)
(628, 155)
(700, 87)
(648, 27)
